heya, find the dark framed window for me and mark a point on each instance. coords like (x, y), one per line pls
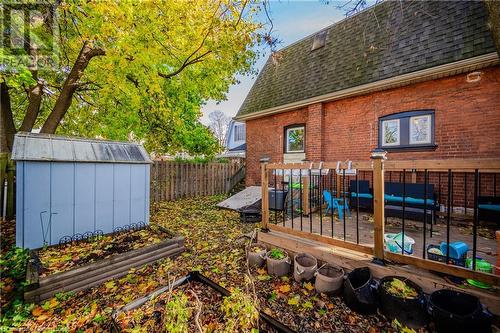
(411, 129)
(295, 138)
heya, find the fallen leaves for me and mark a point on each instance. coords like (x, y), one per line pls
(285, 288)
(213, 248)
(56, 259)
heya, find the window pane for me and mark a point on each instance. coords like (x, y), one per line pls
(420, 129)
(239, 133)
(390, 132)
(295, 139)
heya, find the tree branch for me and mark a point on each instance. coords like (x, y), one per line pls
(7, 127)
(33, 109)
(188, 61)
(65, 98)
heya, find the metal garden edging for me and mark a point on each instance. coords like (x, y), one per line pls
(196, 277)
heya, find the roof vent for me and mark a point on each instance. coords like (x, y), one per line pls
(319, 40)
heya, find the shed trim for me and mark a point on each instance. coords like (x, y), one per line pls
(40, 147)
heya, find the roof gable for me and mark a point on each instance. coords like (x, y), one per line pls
(387, 40)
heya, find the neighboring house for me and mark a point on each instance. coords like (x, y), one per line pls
(419, 79)
(235, 140)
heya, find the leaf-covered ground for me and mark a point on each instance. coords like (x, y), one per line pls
(216, 248)
(55, 259)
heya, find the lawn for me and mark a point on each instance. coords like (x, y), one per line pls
(216, 248)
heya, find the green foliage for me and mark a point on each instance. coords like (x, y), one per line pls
(177, 314)
(13, 264)
(240, 312)
(162, 61)
(277, 254)
(13, 275)
(15, 315)
(401, 289)
(201, 160)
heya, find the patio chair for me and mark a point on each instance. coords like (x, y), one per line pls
(336, 203)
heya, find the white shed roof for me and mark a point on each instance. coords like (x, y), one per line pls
(47, 147)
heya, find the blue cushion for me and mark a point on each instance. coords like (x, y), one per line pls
(393, 198)
(418, 201)
(362, 195)
(408, 200)
(490, 207)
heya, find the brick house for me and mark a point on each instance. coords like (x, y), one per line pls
(418, 78)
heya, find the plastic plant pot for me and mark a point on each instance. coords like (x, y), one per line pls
(410, 311)
(359, 291)
(457, 312)
(329, 279)
(304, 267)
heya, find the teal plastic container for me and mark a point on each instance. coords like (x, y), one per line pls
(457, 249)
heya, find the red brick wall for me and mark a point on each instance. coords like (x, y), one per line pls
(467, 123)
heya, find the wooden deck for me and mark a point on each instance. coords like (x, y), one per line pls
(487, 247)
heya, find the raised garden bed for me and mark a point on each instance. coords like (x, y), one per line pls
(177, 305)
(87, 262)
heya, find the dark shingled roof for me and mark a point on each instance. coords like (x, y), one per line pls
(240, 147)
(389, 39)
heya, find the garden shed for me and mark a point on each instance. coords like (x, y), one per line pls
(73, 187)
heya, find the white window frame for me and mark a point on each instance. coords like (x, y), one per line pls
(397, 143)
(242, 129)
(288, 130)
(429, 130)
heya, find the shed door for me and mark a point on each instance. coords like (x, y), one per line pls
(36, 204)
(63, 195)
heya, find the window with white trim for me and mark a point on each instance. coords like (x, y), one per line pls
(390, 132)
(295, 139)
(239, 133)
(410, 129)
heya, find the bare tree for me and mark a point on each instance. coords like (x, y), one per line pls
(218, 125)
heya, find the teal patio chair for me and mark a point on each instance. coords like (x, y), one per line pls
(336, 203)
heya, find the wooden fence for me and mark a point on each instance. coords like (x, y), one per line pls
(173, 180)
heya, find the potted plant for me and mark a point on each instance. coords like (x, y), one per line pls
(404, 300)
(278, 262)
(329, 279)
(304, 267)
(256, 254)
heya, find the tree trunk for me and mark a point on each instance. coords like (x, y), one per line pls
(65, 98)
(35, 100)
(493, 7)
(7, 128)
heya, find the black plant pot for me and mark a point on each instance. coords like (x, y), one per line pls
(360, 291)
(411, 312)
(457, 312)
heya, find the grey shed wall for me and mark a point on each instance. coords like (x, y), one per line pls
(105, 187)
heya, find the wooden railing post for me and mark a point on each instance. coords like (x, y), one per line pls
(264, 183)
(378, 156)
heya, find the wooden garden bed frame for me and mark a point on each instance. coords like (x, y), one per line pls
(89, 275)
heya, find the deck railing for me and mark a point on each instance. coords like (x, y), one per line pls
(299, 206)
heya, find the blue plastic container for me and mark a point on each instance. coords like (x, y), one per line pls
(457, 249)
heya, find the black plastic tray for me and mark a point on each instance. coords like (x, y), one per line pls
(197, 277)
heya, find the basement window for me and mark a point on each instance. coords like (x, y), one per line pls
(411, 129)
(319, 40)
(295, 139)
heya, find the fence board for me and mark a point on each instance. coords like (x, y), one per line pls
(174, 180)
